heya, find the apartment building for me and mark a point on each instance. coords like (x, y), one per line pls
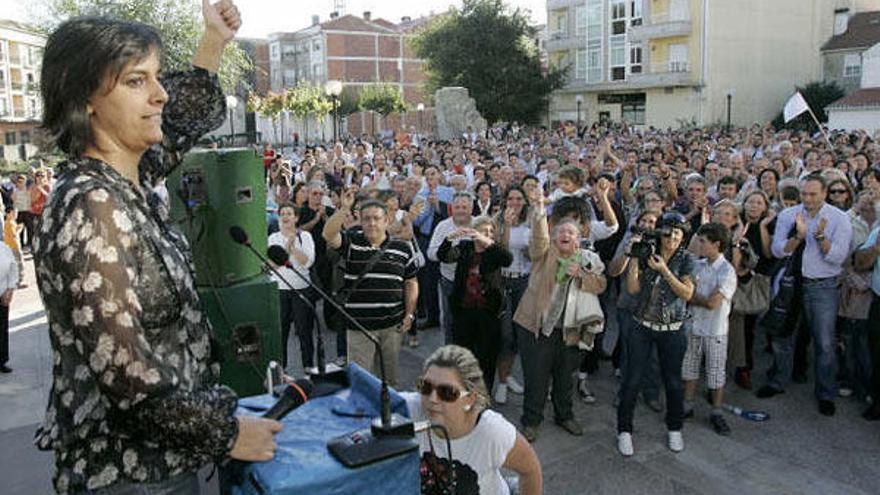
(842, 54)
(667, 63)
(358, 51)
(20, 104)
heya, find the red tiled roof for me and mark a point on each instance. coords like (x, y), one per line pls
(863, 98)
(353, 23)
(863, 31)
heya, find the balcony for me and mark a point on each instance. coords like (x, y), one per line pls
(669, 73)
(561, 41)
(662, 25)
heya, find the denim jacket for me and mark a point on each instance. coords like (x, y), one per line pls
(657, 303)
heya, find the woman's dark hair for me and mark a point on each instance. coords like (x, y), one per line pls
(571, 206)
(81, 57)
(524, 213)
(850, 197)
(481, 184)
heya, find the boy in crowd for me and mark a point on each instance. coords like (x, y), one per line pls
(710, 306)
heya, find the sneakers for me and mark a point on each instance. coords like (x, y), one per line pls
(514, 386)
(571, 426)
(719, 424)
(767, 391)
(501, 393)
(845, 391)
(530, 433)
(584, 392)
(625, 444)
(676, 441)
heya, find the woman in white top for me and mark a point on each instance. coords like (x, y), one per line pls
(301, 248)
(452, 394)
(514, 235)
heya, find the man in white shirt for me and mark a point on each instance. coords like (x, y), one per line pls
(8, 284)
(710, 305)
(462, 208)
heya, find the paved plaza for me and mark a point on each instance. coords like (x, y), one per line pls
(797, 452)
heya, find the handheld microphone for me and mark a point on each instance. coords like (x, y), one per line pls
(294, 395)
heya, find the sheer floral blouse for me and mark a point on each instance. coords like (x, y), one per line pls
(134, 397)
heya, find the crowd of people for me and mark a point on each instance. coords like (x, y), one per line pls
(691, 249)
(697, 248)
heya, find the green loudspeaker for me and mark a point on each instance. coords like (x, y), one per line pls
(245, 318)
(211, 191)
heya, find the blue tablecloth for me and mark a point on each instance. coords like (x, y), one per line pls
(302, 463)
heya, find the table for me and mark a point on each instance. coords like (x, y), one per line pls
(302, 463)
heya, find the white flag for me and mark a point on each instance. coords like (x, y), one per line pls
(795, 106)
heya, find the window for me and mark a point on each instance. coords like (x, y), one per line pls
(289, 52)
(618, 17)
(276, 50)
(594, 19)
(635, 7)
(633, 113)
(852, 65)
(581, 20)
(580, 72)
(317, 71)
(32, 107)
(559, 26)
(10, 137)
(289, 77)
(25, 137)
(4, 107)
(316, 46)
(594, 64)
(635, 59)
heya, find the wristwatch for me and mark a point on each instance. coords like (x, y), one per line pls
(411, 317)
(819, 237)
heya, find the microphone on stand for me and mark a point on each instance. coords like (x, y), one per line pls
(389, 435)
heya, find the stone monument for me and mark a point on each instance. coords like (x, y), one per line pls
(454, 111)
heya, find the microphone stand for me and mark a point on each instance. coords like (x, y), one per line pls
(389, 435)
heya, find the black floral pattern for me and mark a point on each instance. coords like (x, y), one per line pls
(134, 396)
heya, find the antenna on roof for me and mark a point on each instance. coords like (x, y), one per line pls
(339, 7)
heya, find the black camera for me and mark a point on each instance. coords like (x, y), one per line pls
(649, 244)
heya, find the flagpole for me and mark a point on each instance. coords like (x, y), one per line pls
(820, 127)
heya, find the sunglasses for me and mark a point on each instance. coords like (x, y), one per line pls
(446, 393)
(837, 191)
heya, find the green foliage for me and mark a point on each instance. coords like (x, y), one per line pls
(383, 99)
(307, 100)
(487, 50)
(179, 23)
(818, 96)
(349, 101)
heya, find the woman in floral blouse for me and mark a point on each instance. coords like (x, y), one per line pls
(134, 403)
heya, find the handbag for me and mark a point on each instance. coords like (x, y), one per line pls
(780, 320)
(752, 297)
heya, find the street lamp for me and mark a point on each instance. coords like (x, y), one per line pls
(730, 93)
(579, 99)
(333, 89)
(232, 104)
(421, 108)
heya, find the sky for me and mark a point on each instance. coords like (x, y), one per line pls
(261, 17)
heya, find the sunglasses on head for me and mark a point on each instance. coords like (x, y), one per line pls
(446, 393)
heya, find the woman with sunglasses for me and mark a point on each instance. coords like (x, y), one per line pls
(840, 194)
(452, 395)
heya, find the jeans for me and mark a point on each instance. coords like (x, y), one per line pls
(821, 299)
(544, 357)
(671, 346)
(856, 366)
(650, 384)
(874, 339)
(184, 484)
(444, 289)
(295, 310)
(514, 288)
(428, 276)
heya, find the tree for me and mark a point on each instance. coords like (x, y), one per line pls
(818, 96)
(269, 107)
(179, 23)
(348, 101)
(487, 50)
(383, 99)
(307, 100)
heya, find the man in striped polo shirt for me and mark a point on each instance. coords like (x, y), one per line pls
(383, 299)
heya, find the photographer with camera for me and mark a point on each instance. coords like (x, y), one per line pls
(662, 283)
(626, 304)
